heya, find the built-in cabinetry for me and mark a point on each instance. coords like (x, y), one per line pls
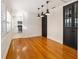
(70, 24)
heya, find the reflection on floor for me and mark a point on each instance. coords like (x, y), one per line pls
(39, 48)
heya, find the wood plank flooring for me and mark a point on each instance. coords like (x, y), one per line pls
(39, 48)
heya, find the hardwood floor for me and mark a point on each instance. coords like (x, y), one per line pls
(39, 48)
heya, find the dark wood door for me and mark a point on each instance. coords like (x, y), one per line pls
(70, 24)
(44, 26)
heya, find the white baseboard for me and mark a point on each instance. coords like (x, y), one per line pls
(61, 42)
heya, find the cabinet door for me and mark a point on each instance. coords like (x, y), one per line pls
(70, 25)
(75, 23)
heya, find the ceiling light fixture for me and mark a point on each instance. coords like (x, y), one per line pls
(42, 14)
(47, 11)
(38, 13)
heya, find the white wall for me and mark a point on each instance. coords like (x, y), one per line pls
(31, 24)
(5, 37)
(55, 24)
(3, 18)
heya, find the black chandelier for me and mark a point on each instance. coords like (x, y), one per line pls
(42, 14)
(38, 13)
(47, 10)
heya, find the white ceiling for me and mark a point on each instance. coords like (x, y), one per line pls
(30, 5)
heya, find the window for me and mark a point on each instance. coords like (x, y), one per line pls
(8, 22)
